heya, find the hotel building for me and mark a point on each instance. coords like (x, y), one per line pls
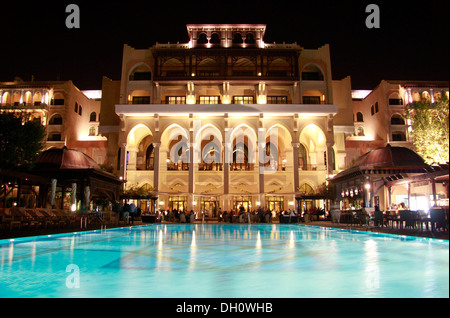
(226, 120)
(71, 118)
(380, 118)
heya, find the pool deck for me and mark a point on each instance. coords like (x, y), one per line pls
(24, 232)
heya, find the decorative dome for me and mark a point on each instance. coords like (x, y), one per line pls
(385, 160)
(390, 157)
(64, 158)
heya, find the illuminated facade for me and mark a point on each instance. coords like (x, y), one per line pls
(379, 120)
(379, 115)
(226, 120)
(71, 118)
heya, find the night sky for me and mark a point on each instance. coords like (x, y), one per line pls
(412, 43)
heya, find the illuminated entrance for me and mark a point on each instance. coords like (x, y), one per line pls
(275, 203)
(245, 201)
(210, 205)
(178, 202)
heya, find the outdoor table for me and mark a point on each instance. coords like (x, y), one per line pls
(148, 218)
(393, 218)
(423, 220)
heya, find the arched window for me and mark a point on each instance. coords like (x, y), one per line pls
(150, 158)
(202, 38)
(302, 157)
(237, 39)
(240, 157)
(272, 156)
(250, 39)
(306, 189)
(312, 73)
(359, 117)
(397, 120)
(55, 120)
(215, 39)
(93, 116)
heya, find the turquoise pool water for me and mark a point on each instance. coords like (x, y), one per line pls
(224, 261)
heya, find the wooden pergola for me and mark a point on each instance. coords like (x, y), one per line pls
(70, 171)
(376, 171)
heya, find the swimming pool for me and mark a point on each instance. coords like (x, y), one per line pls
(224, 261)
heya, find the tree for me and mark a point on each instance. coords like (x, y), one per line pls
(21, 140)
(430, 129)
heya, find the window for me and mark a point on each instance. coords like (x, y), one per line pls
(398, 136)
(209, 100)
(302, 158)
(311, 100)
(76, 107)
(141, 99)
(276, 99)
(150, 158)
(396, 101)
(215, 38)
(93, 116)
(250, 39)
(80, 110)
(175, 99)
(376, 107)
(237, 39)
(372, 110)
(359, 117)
(54, 137)
(92, 131)
(55, 120)
(56, 102)
(397, 120)
(312, 76)
(243, 100)
(141, 76)
(202, 39)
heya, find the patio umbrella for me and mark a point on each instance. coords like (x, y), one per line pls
(87, 194)
(53, 195)
(74, 193)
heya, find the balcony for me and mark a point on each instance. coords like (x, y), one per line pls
(24, 106)
(243, 110)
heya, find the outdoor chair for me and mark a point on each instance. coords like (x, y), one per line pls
(38, 218)
(407, 217)
(25, 219)
(8, 221)
(48, 217)
(379, 218)
(437, 217)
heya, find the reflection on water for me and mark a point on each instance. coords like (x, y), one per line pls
(225, 260)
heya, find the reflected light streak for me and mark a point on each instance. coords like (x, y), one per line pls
(372, 268)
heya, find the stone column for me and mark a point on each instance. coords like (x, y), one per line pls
(191, 176)
(156, 146)
(329, 158)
